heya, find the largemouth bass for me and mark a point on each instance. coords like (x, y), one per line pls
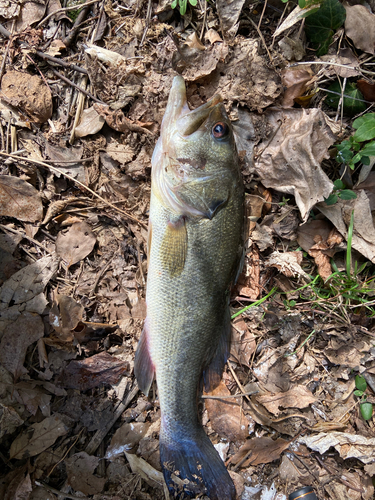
(194, 249)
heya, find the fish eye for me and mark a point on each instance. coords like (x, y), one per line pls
(220, 130)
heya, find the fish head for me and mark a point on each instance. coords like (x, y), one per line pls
(195, 161)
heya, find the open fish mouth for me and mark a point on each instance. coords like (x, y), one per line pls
(178, 113)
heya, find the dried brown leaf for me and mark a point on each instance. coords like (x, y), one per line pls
(226, 416)
(126, 438)
(75, 244)
(243, 343)
(262, 450)
(229, 11)
(94, 371)
(19, 199)
(297, 397)
(91, 123)
(288, 263)
(64, 316)
(24, 331)
(296, 81)
(345, 57)
(291, 156)
(28, 93)
(37, 438)
(339, 214)
(363, 38)
(80, 471)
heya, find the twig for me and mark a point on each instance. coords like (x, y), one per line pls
(72, 84)
(242, 395)
(77, 24)
(5, 57)
(46, 57)
(262, 14)
(204, 18)
(148, 19)
(300, 347)
(54, 169)
(323, 63)
(14, 231)
(262, 38)
(65, 9)
(60, 493)
(101, 433)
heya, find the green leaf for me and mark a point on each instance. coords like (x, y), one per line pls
(368, 149)
(183, 6)
(320, 26)
(365, 160)
(360, 383)
(339, 184)
(347, 194)
(193, 2)
(174, 4)
(359, 394)
(365, 127)
(344, 152)
(331, 200)
(366, 410)
(301, 3)
(353, 99)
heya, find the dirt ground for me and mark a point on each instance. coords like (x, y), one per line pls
(83, 92)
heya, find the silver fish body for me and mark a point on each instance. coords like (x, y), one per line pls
(195, 244)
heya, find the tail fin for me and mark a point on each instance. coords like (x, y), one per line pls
(194, 467)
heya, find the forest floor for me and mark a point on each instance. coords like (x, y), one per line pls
(83, 93)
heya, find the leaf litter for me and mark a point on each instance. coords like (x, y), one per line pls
(73, 252)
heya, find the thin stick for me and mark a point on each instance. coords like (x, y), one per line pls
(65, 9)
(54, 169)
(262, 38)
(72, 84)
(148, 19)
(36, 242)
(323, 63)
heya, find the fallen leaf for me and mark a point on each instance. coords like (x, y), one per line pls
(288, 263)
(229, 11)
(262, 450)
(296, 15)
(126, 438)
(347, 445)
(37, 438)
(123, 153)
(80, 473)
(24, 331)
(94, 371)
(10, 420)
(292, 49)
(148, 473)
(290, 160)
(297, 397)
(346, 355)
(20, 486)
(75, 244)
(19, 199)
(28, 93)
(367, 89)
(344, 57)
(212, 36)
(296, 81)
(243, 343)
(64, 316)
(61, 155)
(226, 416)
(91, 123)
(363, 239)
(364, 38)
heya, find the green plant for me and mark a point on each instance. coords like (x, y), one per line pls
(365, 407)
(339, 191)
(321, 24)
(183, 5)
(353, 101)
(360, 146)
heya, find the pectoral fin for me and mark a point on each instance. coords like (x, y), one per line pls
(144, 369)
(174, 247)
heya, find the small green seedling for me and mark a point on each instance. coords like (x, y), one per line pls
(360, 146)
(365, 407)
(183, 5)
(339, 191)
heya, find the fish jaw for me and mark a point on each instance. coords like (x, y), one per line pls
(184, 162)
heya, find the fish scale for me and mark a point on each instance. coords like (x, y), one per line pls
(195, 244)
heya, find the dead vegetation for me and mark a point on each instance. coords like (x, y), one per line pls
(83, 91)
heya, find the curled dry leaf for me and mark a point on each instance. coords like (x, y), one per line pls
(19, 199)
(76, 244)
(229, 11)
(288, 263)
(243, 343)
(91, 122)
(262, 450)
(289, 158)
(226, 416)
(37, 438)
(319, 238)
(363, 38)
(348, 445)
(28, 93)
(339, 214)
(80, 471)
(126, 438)
(296, 81)
(64, 316)
(93, 372)
(297, 397)
(24, 331)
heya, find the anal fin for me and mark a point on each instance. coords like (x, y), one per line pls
(144, 369)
